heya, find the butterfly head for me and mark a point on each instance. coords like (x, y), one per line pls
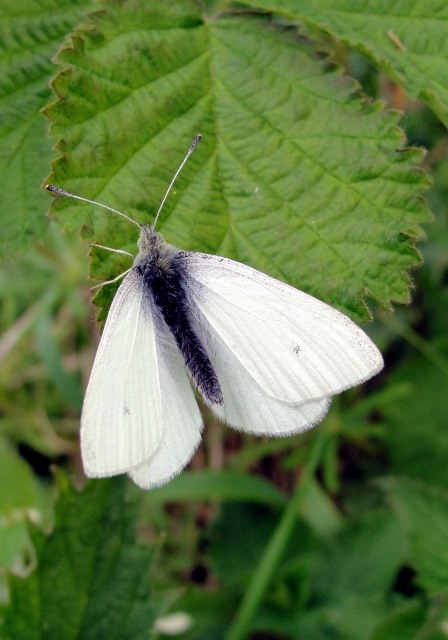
(152, 246)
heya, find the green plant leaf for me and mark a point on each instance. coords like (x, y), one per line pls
(225, 485)
(404, 621)
(237, 541)
(67, 384)
(92, 580)
(347, 571)
(416, 429)
(407, 40)
(423, 509)
(356, 572)
(30, 34)
(19, 499)
(296, 175)
(319, 511)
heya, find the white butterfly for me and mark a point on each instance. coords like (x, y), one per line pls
(265, 357)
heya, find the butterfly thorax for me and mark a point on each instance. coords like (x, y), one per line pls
(163, 270)
(153, 250)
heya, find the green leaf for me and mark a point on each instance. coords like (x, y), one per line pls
(405, 621)
(238, 539)
(226, 485)
(67, 384)
(355, 574)
(211, 610)
(348, 571)
(30, 34)
(355, 617)
(296, 175)
(423, 510)
(407, 40)
(92, 580)
(416, 428)
(19, 499)
(319, 511)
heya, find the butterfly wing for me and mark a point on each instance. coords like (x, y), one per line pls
(134, 388)
(246, 405)
(180, 414)
(296, 349)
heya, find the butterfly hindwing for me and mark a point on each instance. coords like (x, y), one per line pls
(246, 405)
(182, 421)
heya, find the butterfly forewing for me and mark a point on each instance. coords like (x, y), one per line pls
(295, 347)
(122, 419)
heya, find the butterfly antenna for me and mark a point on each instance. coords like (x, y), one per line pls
(189, 152)
(60, 192)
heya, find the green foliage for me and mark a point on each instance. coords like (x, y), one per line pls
(92, 580)
(21, 500)
(424, 512)
(205, 484)
(299, 174)
(30, 34)
(296, 174)
(405, 39)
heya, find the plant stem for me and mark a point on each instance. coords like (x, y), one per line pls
(264, 573)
